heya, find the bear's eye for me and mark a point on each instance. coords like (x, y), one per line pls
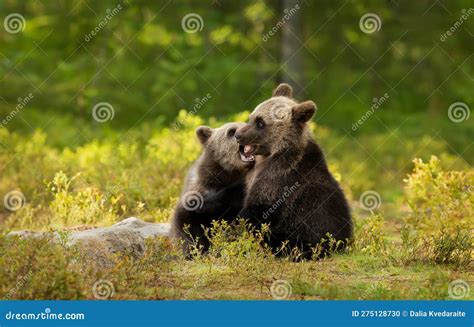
(231, 132)
(260, 123)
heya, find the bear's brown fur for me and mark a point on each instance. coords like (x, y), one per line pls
(213, 187)
(291, 187)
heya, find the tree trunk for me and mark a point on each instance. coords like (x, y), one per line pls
(291, 63)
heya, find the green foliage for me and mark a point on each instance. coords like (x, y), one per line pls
(439, 228)
(148, 68)
(38, 269)
(238, 240)
(74, 171)
(115, 176)
(237, 267)
(370, 237)
(86, 206)
(112, 177)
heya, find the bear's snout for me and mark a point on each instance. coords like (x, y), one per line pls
(240, 134)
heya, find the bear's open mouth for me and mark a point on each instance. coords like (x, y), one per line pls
(246, 153)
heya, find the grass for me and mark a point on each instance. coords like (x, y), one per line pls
(58, 273)
(411, 247)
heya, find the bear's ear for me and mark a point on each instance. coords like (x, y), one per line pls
(283, 90)
(303, 111)
(203, 133)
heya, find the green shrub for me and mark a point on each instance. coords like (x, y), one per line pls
(231, 242)
(370, 236)
(38, 269)
(439, 227)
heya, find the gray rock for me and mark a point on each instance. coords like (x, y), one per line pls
(100, 244)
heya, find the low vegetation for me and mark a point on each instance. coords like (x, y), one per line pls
(411, 244)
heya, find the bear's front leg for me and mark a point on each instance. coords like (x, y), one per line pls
(256, 214)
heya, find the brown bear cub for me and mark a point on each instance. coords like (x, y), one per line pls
(214, 186)
(290, 186)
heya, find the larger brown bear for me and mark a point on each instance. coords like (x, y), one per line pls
(290, 186)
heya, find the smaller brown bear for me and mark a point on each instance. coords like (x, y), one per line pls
(291, 186)
(214, 186)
